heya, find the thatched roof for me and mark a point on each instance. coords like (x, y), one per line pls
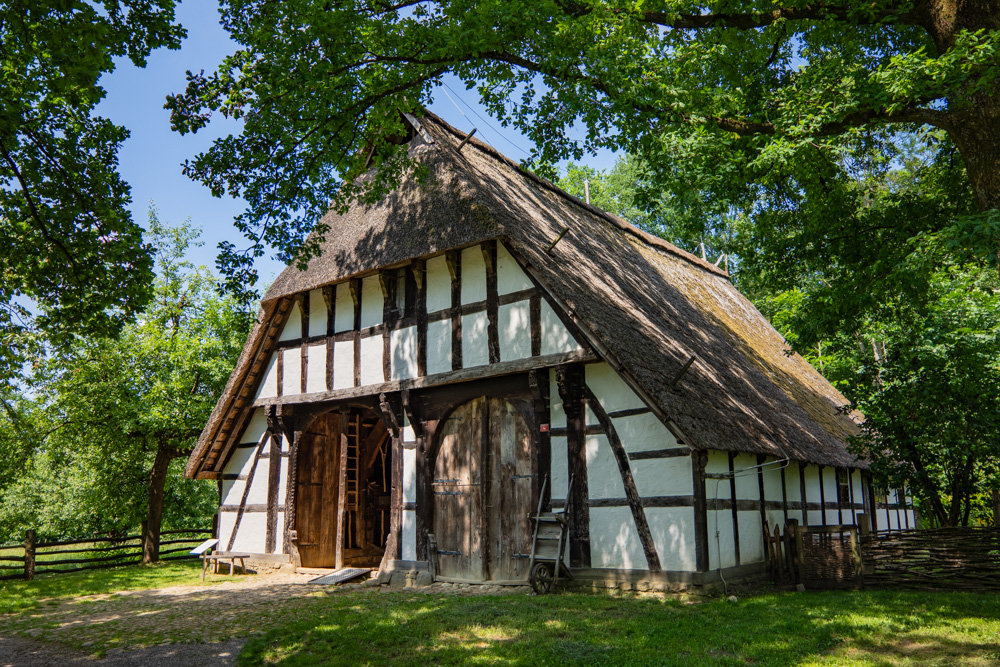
(648, 305)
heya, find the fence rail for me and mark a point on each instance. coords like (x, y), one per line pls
(940, 558)
(45, 558)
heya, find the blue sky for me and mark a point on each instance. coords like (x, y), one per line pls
(151, 158)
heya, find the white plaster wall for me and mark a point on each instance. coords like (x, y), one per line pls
(557, 415)
(282, 479)
(403, 353)
(747, 487)
(720, 534)
(514, 327)
(751, 538)
(232, 491)
(604, 480)
(772, 473)
(475, 339)
(613, 539)
(409, 475)
(815, 517)
(252, 535)
(343, 319)
(673, 535)
(291, 372)
(409, 546)
(316, 369)
(556, 338)
(610, 389)
(240, 461)
(255, 427)
(343, 364)
(293, 325)
(269, 385)
(664, 477)
(438, 284)
(510, 277)
(407, 433)
(560, 468)
(317, 313)
(640, 433)
(279, 532)
(371, 360)
(473, 275)
(830, 488)
(227, 520)
(794, 488)
(438, 347)
(372, 302)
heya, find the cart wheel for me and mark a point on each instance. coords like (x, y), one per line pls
(541, 578)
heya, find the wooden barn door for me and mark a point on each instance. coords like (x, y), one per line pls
(483, 493)
(317, 492)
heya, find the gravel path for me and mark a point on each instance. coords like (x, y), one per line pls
(22, 652)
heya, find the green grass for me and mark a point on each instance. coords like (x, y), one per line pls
(16, 596)
(829, 628)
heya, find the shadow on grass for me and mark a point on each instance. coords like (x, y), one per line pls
(776, 629)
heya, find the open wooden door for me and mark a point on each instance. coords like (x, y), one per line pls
(317, 492)
(483, 493)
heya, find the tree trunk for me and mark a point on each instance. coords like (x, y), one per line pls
(157, 480)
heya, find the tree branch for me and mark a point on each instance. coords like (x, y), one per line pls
(818, 11)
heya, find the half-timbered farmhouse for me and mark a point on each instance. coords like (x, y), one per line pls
(480, 340)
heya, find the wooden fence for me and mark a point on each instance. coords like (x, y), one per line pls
(953, 559)
(25, 560)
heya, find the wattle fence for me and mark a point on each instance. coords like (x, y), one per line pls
(849, 556)
(26, 559)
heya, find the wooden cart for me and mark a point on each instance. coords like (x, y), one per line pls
(548, 547)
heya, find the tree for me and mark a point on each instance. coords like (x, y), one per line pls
(69, 243)
(111, 414)
(738, 89)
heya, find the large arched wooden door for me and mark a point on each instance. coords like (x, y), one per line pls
(482, 485)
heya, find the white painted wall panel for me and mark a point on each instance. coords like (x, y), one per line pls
(279, 531)
(438, 284)
(258, 489)
(751, 539)
(664, 477)
(293, 325)
(409, 475)
(794, 487)
(610, 389)
(717, 464)
(673, 535)
(269, 385)
(604, 480)
(291, 371)
(560, 468)
(343, 364)
(475, 339)
(372, 302)
(317, 313)
(720, 535)
(255, 427)
(403, 352)
(409, 550)
(438, 347)
(473, 275)
(747, 487)
(316, 369)
(371, 360)
(240, 461)
(227, 520)
(344, 313)
(252, 535)
(557, 415)
(614, 542)
(640, 433)
(407, 433)
(772, 473)
(232, 491)
(556, 338)
(515, 330)
(510, 277)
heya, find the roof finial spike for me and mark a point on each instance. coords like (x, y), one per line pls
(586, 190)
(702, 246)
(466, 140)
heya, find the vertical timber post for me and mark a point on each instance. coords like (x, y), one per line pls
(29, 554)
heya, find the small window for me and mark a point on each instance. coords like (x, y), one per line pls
(843, 486)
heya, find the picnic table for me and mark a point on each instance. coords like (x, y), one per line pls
(210, 557)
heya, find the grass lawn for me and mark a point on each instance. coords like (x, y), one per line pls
(23, 595)
(828, 628)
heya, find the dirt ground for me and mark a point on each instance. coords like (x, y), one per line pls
(181, 625)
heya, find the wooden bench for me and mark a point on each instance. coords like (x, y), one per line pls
(204, 551)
